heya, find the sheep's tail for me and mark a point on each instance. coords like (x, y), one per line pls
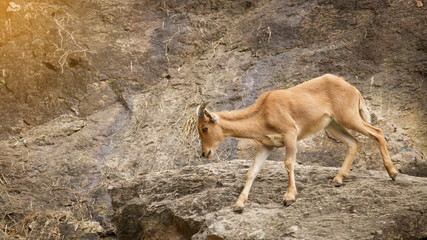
(363, 110)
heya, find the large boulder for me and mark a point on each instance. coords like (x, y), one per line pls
(196, 203)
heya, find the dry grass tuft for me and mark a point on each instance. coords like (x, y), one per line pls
(190, 137)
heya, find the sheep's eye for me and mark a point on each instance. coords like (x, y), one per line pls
(205, 129)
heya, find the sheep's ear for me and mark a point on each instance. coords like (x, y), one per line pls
(212, 117)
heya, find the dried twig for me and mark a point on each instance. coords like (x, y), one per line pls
(167, 42)
(60, 48)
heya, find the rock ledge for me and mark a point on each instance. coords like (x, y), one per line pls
(195, 203)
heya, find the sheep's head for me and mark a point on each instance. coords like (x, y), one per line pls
(210, 132)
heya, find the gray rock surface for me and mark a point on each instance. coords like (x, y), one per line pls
(196, 203)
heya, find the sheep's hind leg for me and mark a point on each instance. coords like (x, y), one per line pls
(352, 145)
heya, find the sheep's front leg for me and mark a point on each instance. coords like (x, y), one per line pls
(261, 155)
(291, 151)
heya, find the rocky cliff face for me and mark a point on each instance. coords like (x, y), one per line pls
(96, 92)
(196, 203)
(229, 53)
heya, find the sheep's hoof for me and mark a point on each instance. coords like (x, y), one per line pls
(394, 177)
(288, 203)
(237, 209)
(336, 184)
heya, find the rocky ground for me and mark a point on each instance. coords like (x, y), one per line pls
(196, 203)
(97, 92)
